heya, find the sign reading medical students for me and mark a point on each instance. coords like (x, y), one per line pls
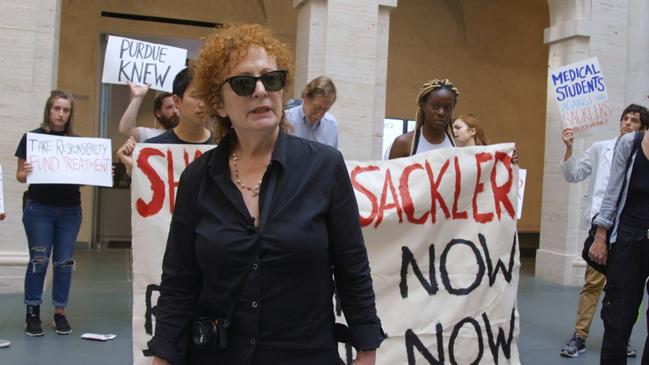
(580, 93)
(69, 160)
(142, 63)
(440, 232)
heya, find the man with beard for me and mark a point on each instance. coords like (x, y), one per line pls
(192, 121)
(164, 109)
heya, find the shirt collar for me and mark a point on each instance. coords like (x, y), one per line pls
(305, 121)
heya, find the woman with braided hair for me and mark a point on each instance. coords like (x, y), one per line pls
(435, 104)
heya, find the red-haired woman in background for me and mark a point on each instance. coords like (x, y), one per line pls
(468, 132)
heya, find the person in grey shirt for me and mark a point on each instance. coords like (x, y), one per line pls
(311, 120)
(625, 213)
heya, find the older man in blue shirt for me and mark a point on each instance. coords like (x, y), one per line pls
(311, 120)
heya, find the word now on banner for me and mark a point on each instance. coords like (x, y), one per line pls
(69, 160)
(440, 232)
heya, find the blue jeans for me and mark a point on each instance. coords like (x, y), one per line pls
(50, 230)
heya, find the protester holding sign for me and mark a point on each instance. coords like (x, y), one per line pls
(164, 110)
(595, 163)
(625, 213)
(52, 217)
(191, 127)
(260, 225)
(467, 132)
(435, 104)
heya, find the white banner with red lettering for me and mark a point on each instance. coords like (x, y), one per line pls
(440, 231)
(155, 176)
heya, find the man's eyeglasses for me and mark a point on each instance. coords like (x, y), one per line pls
(244, 85)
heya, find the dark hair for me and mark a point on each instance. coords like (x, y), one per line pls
(425, 90)
(181, 82)
(47, 123)
(157, 103)
(644, 114)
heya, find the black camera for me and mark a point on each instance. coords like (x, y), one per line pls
(209, 333)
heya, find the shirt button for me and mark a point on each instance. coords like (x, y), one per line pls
(255, 267)
(254, 304)
(253, 341)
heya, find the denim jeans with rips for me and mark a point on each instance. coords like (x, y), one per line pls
(51, 230)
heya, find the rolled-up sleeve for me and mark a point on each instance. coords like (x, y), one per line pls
(608, 210)
(576, 170)
(350, 263)
(181, 278)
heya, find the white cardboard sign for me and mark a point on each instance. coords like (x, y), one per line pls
(580, 93)
(142, 63)
(69, 160)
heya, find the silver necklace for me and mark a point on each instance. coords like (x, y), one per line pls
(235, 166)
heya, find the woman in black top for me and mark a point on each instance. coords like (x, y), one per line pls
(261, 223)
(52, 217)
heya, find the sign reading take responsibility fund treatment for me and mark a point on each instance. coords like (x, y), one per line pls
(69, 160)
(580, 92)
(142, 63)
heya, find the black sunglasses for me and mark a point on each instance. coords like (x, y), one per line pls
(244, 85)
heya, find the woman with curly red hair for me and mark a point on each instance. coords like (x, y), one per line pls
(262, 223)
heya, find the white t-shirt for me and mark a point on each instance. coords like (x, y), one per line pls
(423, 146)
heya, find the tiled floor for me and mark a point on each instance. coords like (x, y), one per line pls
(101, 302)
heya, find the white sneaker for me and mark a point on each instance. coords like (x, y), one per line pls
(4, 343)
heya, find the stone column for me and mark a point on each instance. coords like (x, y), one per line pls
(348, 41)
(637, 76)
(29, 41)
(579, 29)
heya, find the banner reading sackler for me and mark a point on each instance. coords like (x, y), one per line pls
(440, 231)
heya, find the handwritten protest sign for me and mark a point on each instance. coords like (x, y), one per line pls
(440, 231)
(142, 63)
(580, 92)
(69, 160)
(2, 198)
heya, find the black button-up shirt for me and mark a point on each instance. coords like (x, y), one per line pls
(309, 229)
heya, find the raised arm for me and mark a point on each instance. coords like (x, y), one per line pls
(127, 122)
(575, 170)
